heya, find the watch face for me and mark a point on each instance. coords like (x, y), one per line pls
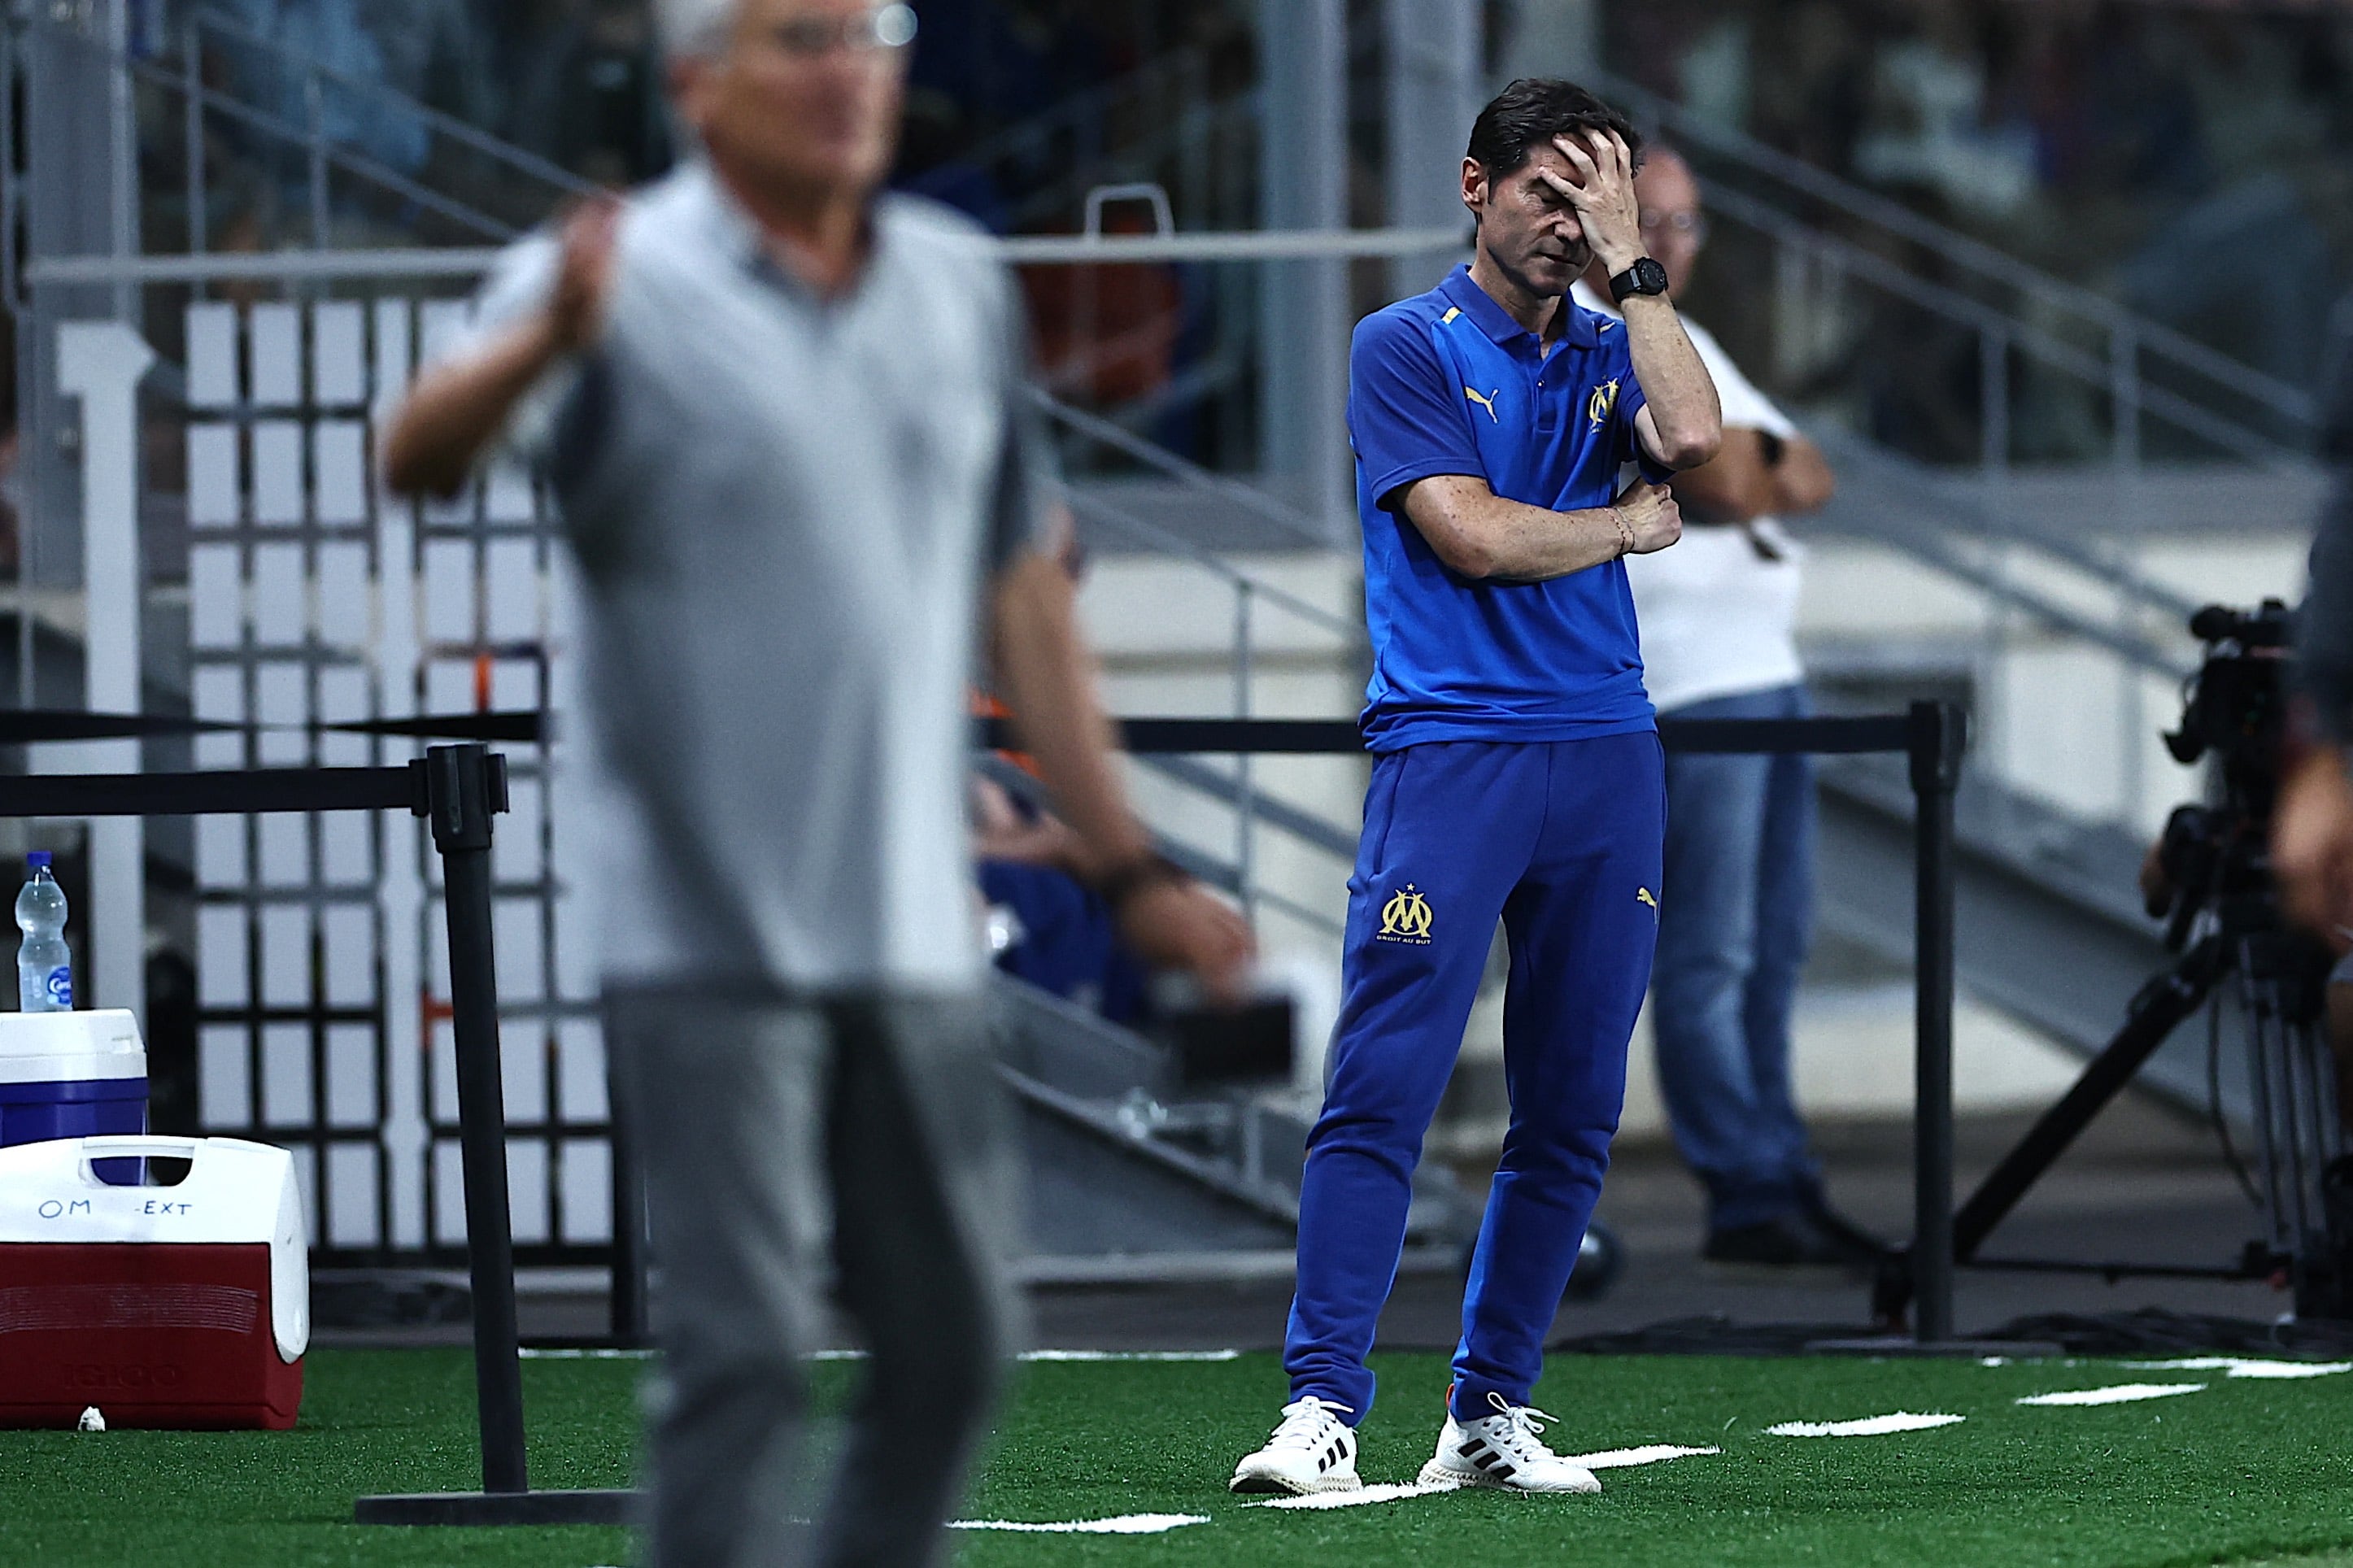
(1646, 276)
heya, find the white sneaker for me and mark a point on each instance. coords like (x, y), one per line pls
(1503, 1450)
(1312, 1450)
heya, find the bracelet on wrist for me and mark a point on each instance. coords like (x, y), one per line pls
(1625, 533)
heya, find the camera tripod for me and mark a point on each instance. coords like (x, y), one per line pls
(2278, 978)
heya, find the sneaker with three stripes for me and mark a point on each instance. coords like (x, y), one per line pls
(1312, 1450)
(1503, 1450)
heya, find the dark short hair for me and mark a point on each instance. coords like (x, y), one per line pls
(1533, 110)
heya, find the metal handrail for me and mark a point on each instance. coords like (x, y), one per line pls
(1979, 257)
(1195, 124)
(2174, 409)
(1071, 111)
(360, 163)
(1121, 521)
(1158, 458)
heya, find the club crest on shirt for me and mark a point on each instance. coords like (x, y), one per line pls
(1602, 403)
(1405, 918)
(1487, 403)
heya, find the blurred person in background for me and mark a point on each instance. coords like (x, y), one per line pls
(785, 421)
(592, 101)
(1719, 615)
(2312, 825)
(1516, 774)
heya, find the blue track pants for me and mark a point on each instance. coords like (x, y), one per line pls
(1559, 840)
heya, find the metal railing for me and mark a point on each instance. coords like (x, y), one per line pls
(1239, 790)
(1172, 127)
(182, 76)
(2129, 337)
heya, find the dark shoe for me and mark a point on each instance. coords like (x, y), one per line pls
(1786, 1241)
(1866, 1248)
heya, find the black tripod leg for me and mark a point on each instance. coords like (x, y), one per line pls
(2155, 1014)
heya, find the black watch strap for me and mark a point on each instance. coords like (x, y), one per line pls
(1645, 277)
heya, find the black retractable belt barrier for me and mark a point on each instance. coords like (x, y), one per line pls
(459, 788)
(466, 787)
(1932, 735)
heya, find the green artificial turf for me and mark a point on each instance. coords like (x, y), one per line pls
(2248, 1471)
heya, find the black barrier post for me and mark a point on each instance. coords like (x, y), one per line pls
(462, 788)
(1938, 734)
(465, 786)
(631, 1320)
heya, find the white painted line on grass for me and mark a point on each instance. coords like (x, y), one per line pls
(1358, 1497)
(1078, 1356)
(2246, 1366)
(1125, 1524)
(2116, 1394)
(1130, 1355)
(1869, 1427)
(1625, 1458)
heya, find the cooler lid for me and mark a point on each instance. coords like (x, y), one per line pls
(42, 1048)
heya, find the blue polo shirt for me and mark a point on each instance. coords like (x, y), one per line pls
(1447, 383)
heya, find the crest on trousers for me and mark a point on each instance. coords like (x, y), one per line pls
(1406, 917)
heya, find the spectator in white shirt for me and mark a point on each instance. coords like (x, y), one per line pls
(1718, 617)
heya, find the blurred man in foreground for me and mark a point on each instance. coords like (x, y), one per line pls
(1719, 615)
(785, 421)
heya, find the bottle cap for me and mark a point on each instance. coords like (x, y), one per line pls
(37, 858)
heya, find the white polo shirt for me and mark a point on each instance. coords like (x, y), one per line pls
(1717, 618)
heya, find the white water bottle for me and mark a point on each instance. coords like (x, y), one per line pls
(44, 964)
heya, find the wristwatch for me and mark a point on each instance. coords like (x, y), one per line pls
(1645, 277)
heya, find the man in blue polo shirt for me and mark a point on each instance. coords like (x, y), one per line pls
(1517, 771)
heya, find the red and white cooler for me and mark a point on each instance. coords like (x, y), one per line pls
(186, 1305)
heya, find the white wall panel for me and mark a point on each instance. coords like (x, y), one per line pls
(224, 1077)
(339, 468)
(300, 625)
(282, 597)
(511, 589)
(278, 492)
(351, 1197)
(223, 978)
(348, 935)
(351, 1075)
(212, 356)
(275, 333)
(216, 596)
(216, 476)
(286, 1076)
(285, 955)
(338, 353)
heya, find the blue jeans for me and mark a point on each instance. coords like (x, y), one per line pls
(1734, 924)
(1560, 841)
